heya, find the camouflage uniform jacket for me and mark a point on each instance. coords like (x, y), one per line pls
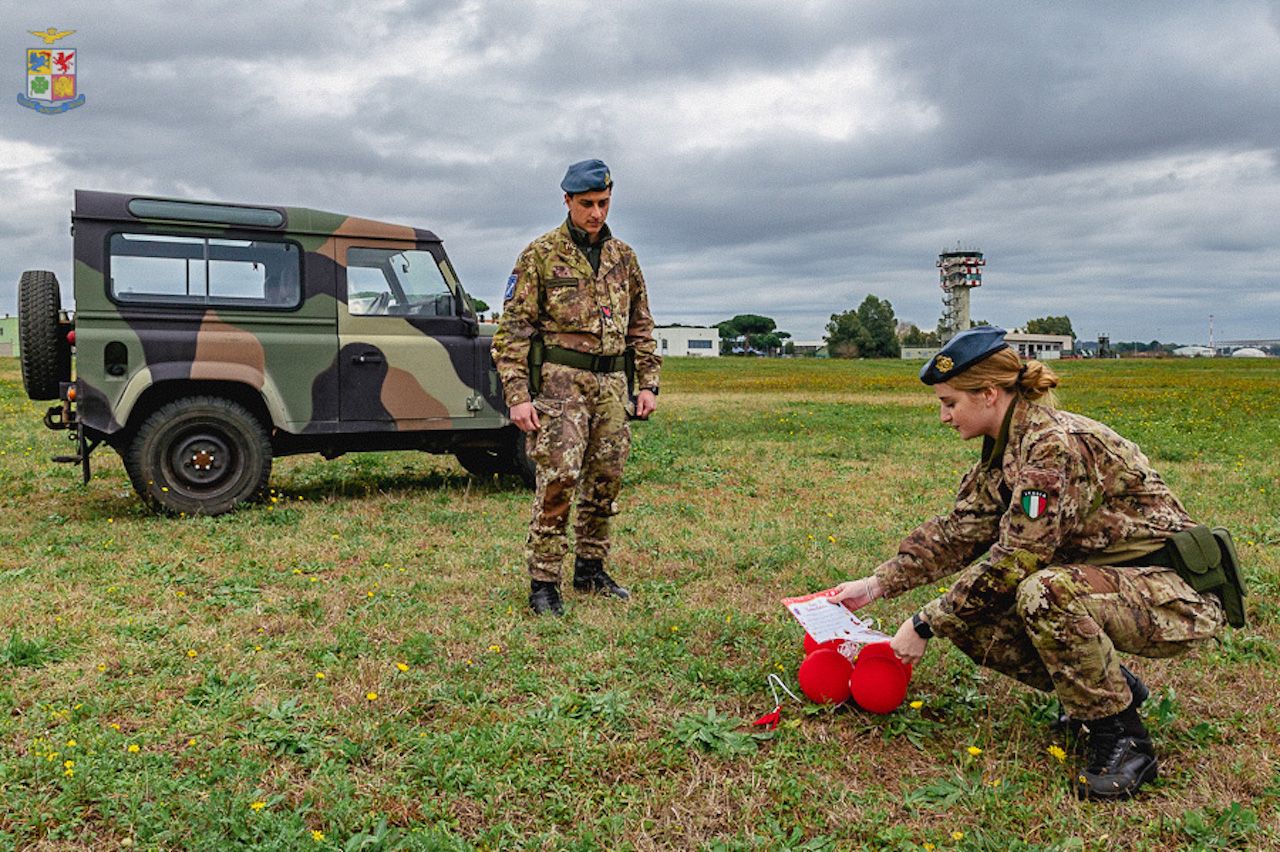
(1055, 489)
(553, 292)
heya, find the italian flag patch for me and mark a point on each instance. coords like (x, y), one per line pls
(1034, 503)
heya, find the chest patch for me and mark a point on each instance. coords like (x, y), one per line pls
(1034, 503)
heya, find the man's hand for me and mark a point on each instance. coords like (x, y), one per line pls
(856, 594)
(907, 644)
(646, 404)
(525, 416)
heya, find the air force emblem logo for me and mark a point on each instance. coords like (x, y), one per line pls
(51, 75)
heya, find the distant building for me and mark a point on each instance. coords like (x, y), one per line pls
(1195, 352)
(807, 348)
(685, 340)
(1248, 352)
(8, 337)
(1042, 347)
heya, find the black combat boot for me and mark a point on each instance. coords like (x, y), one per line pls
(1121, 757)
(544, 598)
(589, 576)
(1069, 727)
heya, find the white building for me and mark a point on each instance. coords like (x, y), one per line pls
(1194, 352)
(682, 340)
(1042, 347)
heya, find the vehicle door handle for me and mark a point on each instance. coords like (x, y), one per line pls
(368, 358)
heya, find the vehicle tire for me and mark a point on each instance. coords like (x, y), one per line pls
(200, 455)
(480, 461)
(518, 461)
(42, 337)
(508, 459)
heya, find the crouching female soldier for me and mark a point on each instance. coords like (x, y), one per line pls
(1085, 548)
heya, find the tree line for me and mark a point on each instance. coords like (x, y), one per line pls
(869, 331)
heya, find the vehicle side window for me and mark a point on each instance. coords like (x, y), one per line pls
(397, 282)
(163, 269)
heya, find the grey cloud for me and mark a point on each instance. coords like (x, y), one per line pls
(1050, 128)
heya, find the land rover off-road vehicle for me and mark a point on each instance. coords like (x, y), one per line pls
(210, 338)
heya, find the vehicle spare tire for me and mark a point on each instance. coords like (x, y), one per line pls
(42, 337)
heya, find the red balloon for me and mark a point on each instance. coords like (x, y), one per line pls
(824, 676)
(878, 682)
(811, 644)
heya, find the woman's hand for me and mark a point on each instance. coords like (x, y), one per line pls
(907, 644)
(856, 594)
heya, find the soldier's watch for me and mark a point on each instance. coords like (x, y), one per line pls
(653, 391)
(922, 628)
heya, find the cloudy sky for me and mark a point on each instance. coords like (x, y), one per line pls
(1116, 162)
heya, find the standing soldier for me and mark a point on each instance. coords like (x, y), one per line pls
(575, 332)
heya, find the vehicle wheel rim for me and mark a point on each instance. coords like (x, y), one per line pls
(202, 461)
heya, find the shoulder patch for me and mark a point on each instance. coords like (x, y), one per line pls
(1034, 502)
(511, 288)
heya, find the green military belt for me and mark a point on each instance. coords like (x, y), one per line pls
(584, 360)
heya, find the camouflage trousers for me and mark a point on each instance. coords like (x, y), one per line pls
(579, 450)
(1063, 630)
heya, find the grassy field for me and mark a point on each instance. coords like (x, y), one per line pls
(350, 665)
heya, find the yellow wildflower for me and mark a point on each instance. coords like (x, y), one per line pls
(133, 748)
(916, 705)
(974, 751)
(257, 806)
(317, 835)
(404, 667)
(372, 696)
(1057, 752)
(957, 835)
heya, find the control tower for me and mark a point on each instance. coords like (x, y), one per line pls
(959, 272)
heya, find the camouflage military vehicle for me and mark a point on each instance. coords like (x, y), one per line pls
(210, 338)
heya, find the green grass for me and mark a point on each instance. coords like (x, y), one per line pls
(354, 657)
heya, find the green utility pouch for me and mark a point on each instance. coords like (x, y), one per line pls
(1197, 558)
(537, 354)
(1200, 556)
(1233, 592)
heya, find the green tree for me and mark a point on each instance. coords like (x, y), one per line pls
(1050, 325)
(915, 337)
(758, 332)
(845, 335)
(881, 327)
(868, 332)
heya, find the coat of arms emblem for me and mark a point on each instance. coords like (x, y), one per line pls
(51, 75)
